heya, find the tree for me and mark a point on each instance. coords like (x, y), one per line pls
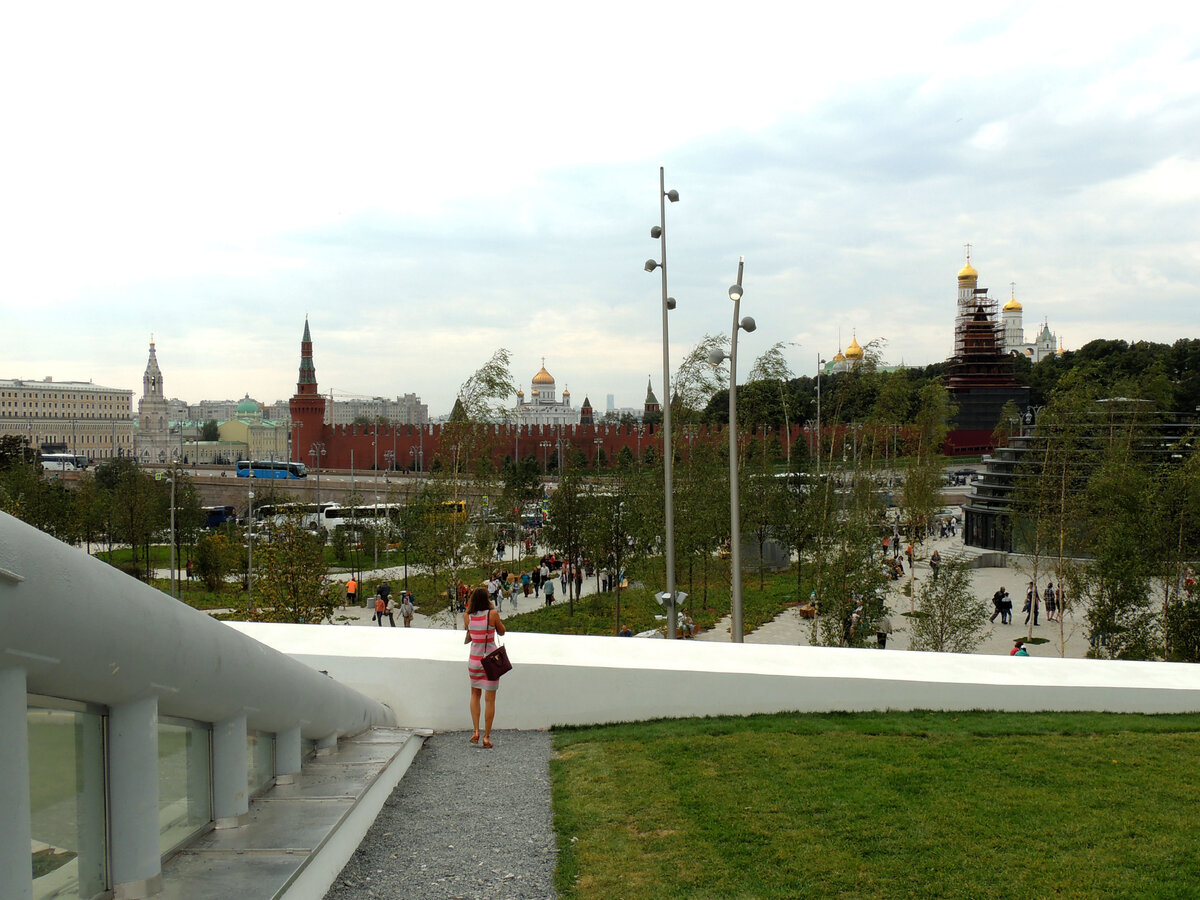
(291, 583)
(217, 554)
(567, 520)
(139, 507)
(772, 367)
(949, 618)
(210, 431)
(923, 480)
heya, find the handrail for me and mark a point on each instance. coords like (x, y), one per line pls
(82, 630)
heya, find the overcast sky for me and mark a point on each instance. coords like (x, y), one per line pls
(430, 182)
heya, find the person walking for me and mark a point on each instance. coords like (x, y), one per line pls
(908, 551)
(935, 563)
(384, 590)
(482, 624)
(525, 582)
(380, 608)
(389, 610)
(998, 606)
(406, 609)
(564, 577)
(578, 582)
(548, 586)
(351, 592)
(1032, 602)
(1051, 602)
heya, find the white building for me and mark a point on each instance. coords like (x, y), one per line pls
(542, 407)
(1043, 345)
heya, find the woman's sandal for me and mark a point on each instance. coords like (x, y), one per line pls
(474, 739)
(487, 745)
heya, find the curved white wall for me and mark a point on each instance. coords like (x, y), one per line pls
(421, 674)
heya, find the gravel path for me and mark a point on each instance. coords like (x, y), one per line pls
(434, 841)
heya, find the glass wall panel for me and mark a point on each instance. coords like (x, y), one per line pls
(260, 761)
(184, 781)
(66, 787)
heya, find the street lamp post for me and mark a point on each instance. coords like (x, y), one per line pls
(250, 552)
(315, 452)
(545, 445)
(659, 231)
(820, 365)
(735, 525)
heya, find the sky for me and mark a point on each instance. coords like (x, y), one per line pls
(430, 183)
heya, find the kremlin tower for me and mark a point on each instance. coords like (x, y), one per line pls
(307, 406)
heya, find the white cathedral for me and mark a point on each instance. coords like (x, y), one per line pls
(542, 408)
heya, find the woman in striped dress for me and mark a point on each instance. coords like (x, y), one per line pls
(482, 623)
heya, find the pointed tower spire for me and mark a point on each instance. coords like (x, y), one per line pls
(308, 373)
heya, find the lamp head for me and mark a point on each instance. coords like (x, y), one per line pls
(735, 292)
(655, 232)
(748, 324)
(716, 355)
(673, 196)
(670, 303)
(651, 265)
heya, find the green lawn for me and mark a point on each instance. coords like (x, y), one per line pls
(880, 805)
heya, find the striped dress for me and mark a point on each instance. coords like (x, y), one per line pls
(483, 642)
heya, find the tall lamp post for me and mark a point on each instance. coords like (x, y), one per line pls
(668, 303)
(315, 452)
(250, 551)
(735, 524)
(820, 366)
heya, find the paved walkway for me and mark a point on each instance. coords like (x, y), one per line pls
(463, 823)
(1066, 639)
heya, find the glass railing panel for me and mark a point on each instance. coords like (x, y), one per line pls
(67, 797)
(260, 761)
(184, 781)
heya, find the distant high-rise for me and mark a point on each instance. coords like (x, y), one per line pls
(610, 403)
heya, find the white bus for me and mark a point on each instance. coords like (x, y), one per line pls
(64, 462)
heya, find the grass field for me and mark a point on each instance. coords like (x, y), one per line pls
(880, 805)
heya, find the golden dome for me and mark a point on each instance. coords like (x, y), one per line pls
(543, 377)
(967, 272)
(1012, 305)
(840, 357)
(535, 392)
(854, 351)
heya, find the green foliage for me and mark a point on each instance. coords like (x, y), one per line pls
(217, 555)
(210, 431)
(954, 619)
(290, 583)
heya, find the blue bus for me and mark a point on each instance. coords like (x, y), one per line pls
(216, 516)
(270, 469)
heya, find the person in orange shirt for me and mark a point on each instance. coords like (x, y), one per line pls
(351, 592)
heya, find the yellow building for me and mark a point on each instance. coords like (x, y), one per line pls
(68, 417)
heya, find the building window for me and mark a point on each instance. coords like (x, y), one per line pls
(184, 781)
(67, 798)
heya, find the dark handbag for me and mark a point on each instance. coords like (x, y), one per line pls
(496, 663)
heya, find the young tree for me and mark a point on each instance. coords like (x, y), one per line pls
(772, 367)
(949, 618)
(210, 431)
(291, 583)
(567, 520)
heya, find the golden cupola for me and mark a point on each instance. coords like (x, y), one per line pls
(854, 351)
(543, 377)
(1012, 305)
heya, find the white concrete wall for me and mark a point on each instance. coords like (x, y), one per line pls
(557, 680)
